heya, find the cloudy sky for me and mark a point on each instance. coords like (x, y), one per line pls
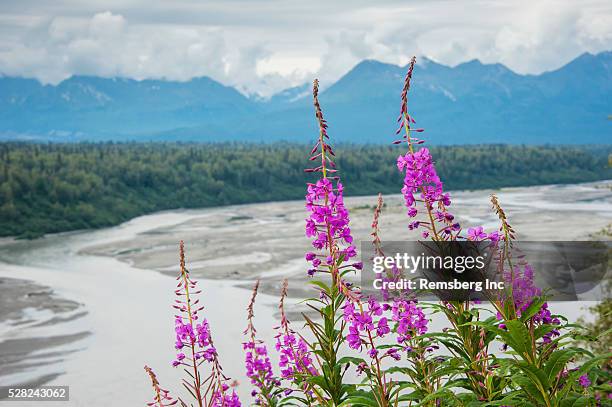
(261, 46)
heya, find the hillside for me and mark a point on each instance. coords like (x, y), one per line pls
(468, 103)
(58, 187)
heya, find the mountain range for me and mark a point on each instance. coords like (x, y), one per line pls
(469, 103)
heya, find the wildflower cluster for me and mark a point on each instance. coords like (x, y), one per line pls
(402, 367)
(194, 346)
(222, 397)
(524, 292)
(187, 338)
(421, 180)
(410, 319)
(258, 366)
(190, 335)
(257, 363)
(328, 223)
(362, 323)
(422, 183)
(328, 218)
(295, 357)
(478, 234)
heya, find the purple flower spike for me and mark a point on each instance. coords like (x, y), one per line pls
(410, 318)
(257, 363)
(295, 358)
(328, 218)
(584, 381)
(421, 180)
(193, 342)
(476, 234)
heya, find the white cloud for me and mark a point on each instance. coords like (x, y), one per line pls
(265, 45)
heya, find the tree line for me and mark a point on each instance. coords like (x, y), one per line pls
(47, 188)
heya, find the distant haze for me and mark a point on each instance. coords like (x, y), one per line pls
(469, 103)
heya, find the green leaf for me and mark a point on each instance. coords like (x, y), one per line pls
(360, 398)
(588, 365)
(537, 376)
(529, 388)
(442, 394)
(350, 359)
(318, 381)
(517, 337)
(542, 330)
(321, 285)
(532, 309)
(574, 401)
(557, 361)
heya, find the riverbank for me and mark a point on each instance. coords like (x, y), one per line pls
(122, 280)
(51, 188)
(26, 305)
(267, 240)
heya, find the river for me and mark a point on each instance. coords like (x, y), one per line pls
(124, 320)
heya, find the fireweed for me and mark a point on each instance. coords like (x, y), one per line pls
(328, 226)
(393, 273)
(514, 352)
(296, 360)
(195, 347)
(257, 363)
(162, 396)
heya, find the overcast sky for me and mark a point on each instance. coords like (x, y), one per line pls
(266, 45)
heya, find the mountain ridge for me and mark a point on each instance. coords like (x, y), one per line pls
(471, 102)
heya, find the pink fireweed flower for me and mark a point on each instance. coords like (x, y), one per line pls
(494, 236)
(162, 396)
(258, 366)
(364, 325)
(524, 291)
(584, 381)
(328, 218)
(421, 177)
(367, 325)
(200, 340)
(257, 363)
(477, 233)
(190, 335)
(295, 359)
(194, 344)
(221, 398)
(325, 205)
(410, 319)
(423, 185)
(421, 180)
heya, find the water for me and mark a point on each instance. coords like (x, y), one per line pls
(128, 314)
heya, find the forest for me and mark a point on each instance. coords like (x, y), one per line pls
(47, 188)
